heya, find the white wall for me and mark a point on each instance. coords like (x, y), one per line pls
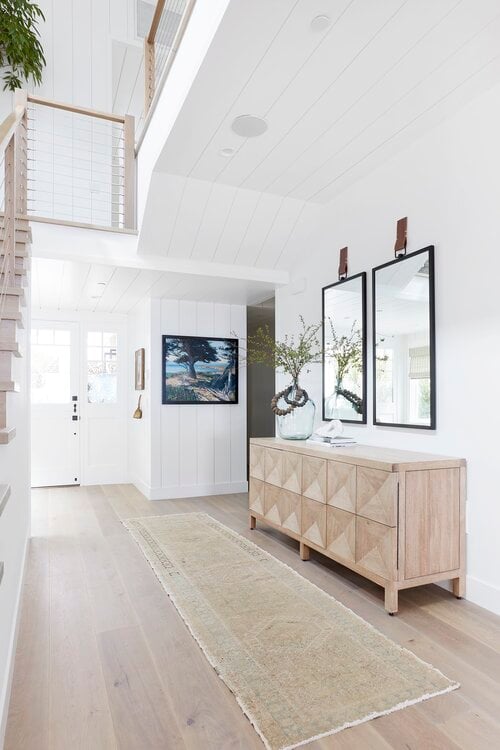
(77, 40)
(186, 451)
(447, 184)
(139, 430)
(15, 520)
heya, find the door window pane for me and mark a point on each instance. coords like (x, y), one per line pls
(102, 384)
(50, 367)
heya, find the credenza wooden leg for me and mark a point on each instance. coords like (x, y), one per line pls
(459, 587)
(304, 551)
(391, 599)
(253, 522)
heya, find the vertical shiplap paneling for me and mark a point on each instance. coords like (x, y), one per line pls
(82, 53)
(205, 414)
(62, 50)
(222, 414)
(238, 414)
(118, 20)
(170, 415)
(101, 56)
(47, 40)
(188, 423)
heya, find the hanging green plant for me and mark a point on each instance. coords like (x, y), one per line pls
(21, 52)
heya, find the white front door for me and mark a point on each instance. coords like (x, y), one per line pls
(55, 404)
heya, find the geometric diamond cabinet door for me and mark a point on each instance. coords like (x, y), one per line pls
(341, 485)
(314, 522)
(257, 462)
(377, 495)
(376, 547)
(256, 496)
(341, 533)
(314, 478)
(273, 466)
(292, 472)
(282, 508)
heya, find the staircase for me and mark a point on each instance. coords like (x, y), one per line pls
(15, 240)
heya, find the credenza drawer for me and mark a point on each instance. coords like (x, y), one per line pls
(341, 533)
(257, 456)
(341, 486)
(256, 490)
(314, 521)
(377, 495)
(282, 508)
(376, 547)
(314, 478)
(273, 467)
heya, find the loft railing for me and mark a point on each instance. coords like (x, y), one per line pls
(167, 29)
(80, 165)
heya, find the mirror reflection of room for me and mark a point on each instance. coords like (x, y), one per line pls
(343, 306)
(403, 342)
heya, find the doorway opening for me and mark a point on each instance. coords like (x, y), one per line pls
(76, 403)
(261, 379)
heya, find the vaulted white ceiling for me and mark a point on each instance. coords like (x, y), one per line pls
(337, 103)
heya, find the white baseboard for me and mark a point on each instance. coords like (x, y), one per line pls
(484, 594)
(195, 490)
(5, 698)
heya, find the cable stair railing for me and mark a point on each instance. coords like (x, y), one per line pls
(73, 166)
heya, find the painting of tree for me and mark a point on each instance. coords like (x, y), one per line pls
(199, 370)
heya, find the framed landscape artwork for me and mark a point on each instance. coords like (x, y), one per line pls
(199, 370)
(139, 370)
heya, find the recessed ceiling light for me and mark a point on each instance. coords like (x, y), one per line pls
(320, 23)
(249, 126)
(227, 152)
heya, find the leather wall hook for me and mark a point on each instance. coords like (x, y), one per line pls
(401, 236)
(343, 263)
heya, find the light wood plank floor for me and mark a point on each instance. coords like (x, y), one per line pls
(104, 661)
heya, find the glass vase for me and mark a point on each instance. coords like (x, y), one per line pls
(298, 424)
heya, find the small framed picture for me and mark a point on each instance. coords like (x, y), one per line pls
(139, 370)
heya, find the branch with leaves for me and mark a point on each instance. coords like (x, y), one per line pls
(346, 350)
(21, 51)
(290, 355)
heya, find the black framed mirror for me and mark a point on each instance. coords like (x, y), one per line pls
(344, 347)
(404, 342)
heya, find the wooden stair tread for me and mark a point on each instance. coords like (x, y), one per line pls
(19, 252)
(9, 386)
(7, 434)
(10, 346)
(14, 291)
(4, 496)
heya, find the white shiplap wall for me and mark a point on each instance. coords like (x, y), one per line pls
(190, 450)
(77, 39)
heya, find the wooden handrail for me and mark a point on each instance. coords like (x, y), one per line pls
(155, 22)
(12, 120)
(151, 92)
(111, 116)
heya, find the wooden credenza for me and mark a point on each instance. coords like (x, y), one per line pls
(393, 516)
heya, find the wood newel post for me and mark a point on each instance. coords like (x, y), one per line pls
(129, 172)
(149, 74)
(9, 244)
(21, 155)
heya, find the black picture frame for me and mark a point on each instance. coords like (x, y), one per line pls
(432, 340)
(193, 402)
(364, 415)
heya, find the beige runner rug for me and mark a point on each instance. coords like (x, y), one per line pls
(300, 664)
